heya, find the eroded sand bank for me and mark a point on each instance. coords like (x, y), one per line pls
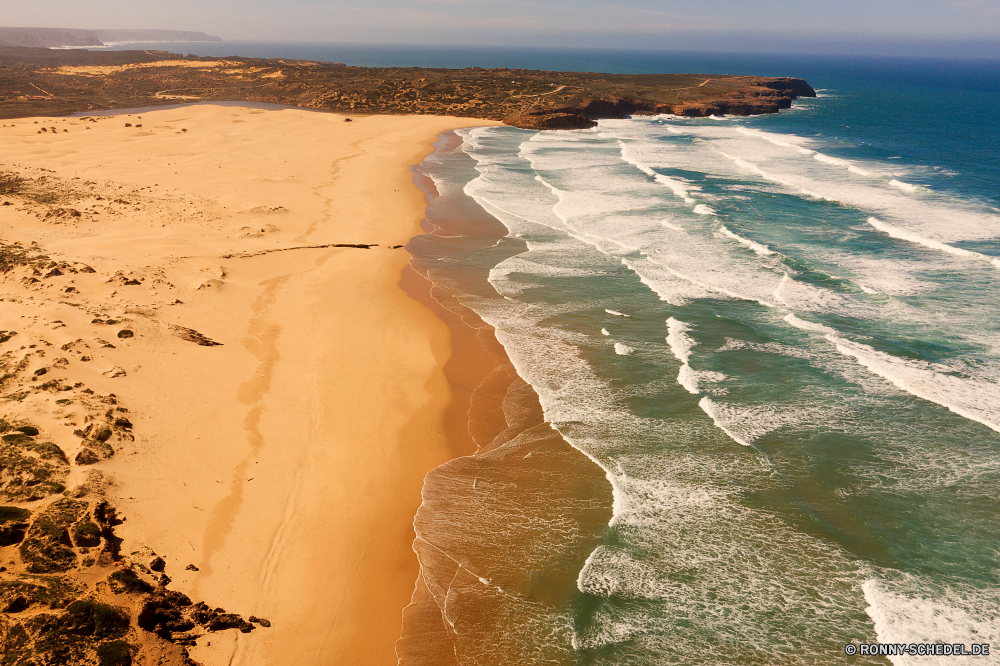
(286, 462)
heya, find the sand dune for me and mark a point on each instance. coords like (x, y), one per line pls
(284, 396)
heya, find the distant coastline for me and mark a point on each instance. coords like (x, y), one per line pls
(66, 38)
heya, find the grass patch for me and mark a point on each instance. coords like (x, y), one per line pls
(115, 653)
(90, 618)
(10, 514)
(126, 581)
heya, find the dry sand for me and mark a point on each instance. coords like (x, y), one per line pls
(285, 463)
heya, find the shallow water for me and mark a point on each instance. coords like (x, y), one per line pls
(778, 338)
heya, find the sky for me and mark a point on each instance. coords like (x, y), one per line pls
(934, 27)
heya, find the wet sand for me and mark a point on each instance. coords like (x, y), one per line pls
(503, 533)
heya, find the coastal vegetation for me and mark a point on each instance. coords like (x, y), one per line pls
(66, 81)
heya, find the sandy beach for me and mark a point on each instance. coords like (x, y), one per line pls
(285, 397)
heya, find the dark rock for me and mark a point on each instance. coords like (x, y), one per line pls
(229, 621)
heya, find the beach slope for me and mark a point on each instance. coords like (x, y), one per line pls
(285, 397)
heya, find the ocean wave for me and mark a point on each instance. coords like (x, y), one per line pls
(759, 248)
(903, 234)
(915, 615)
(974, 399)
(906, 187)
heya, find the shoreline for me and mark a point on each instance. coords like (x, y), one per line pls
(520, 465)
(291, 498)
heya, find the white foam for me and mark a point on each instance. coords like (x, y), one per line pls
(702, 209)
(808, 325)
(760, 249)
(777, 140)
(622, 349)
(616, 313)
(973, 399)
(906, 187)
(604, 331)
(813, 174)
(680, 346)
(678, 339)
(903, 234)
(716, 414)
(836, 161)
(688, 378)
(691, 379)
(711, 288)
(680, 189)
(909, 618)
(777, 290)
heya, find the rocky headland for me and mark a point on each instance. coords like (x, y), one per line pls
(37, 82)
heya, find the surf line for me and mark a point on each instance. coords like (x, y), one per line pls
(909, 236)
(969, 399)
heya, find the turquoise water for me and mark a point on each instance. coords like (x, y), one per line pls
(779, 338)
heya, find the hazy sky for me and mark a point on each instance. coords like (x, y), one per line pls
(665, 24)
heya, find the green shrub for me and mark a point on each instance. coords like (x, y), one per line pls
(87, 535)
(115, 653)
(10, 514)
(28, 430)
(91, 618)
(126, 581)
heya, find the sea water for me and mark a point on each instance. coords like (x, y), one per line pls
(777, 337)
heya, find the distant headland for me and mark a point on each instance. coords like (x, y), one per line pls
(70, 37)
(38, 81)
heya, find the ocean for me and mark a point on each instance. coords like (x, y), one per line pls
(766, 355)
